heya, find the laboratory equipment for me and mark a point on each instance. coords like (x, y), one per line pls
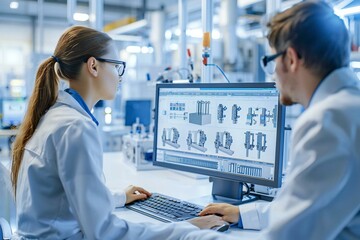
(138, 151)
(137, 147)
(138, 109)
(13, 111)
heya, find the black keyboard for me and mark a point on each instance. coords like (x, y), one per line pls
(165, 208)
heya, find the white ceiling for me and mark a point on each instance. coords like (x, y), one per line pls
(55, 11)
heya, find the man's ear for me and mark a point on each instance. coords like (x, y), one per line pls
(293, 59)
(92, 66)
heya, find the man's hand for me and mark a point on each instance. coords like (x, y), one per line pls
(207, 222)
(134, 193)
(229, 213)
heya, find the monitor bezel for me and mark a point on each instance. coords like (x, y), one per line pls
(276, 183)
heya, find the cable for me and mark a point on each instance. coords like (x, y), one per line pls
(247, 189)
(182, 69)
(287, 128)
(213, 64)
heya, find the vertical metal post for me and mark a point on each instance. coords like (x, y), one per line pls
(356, 31)
(71, 7)
(207, 23)
(272, 6)
(182, 27)
(228, 19)
(97, 14)
(40, 26)
(157, 36)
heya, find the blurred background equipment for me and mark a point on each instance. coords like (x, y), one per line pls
(138, 109)
(138, 147)
(13, 111)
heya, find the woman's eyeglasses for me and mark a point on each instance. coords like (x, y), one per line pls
(120, 65)
(268, 64)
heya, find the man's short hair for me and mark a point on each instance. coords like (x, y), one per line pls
(318, 36)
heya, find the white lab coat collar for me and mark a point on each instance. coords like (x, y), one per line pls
(67, 99)
(334, 82)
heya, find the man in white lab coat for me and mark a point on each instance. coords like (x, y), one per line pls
(320, 198)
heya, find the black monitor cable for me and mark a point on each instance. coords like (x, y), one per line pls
(247, 189)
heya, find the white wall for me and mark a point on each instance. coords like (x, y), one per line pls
(17, 56)
(15, 48)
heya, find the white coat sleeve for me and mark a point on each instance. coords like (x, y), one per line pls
(213, 235)
(255, 215)
(210, 235)
(119, 198)
(319, 178)
(79, 162)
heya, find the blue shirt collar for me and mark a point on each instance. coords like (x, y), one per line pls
(82, 103)
(334, 82)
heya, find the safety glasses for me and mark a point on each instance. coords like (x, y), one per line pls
(120, 65)
(268, 64)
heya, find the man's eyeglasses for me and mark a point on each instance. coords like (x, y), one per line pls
(268, 64)
(120, 65)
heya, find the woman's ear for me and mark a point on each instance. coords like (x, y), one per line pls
(92, 66)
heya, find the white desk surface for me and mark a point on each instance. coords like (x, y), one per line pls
(120, 174)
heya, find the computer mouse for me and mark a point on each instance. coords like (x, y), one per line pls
(221, 228)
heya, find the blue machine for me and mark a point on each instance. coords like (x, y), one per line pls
(140, 109)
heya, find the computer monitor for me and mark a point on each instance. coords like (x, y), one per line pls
(13, 111)
(140, 109)
(231, 132)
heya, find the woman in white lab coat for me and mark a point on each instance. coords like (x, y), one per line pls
(57, 155)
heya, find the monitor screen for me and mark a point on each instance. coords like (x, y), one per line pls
(230, 131)
(13, 111)
(137, 109)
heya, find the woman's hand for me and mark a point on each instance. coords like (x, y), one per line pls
(134, 193)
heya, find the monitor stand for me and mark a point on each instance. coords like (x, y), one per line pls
(229, 191)
(225, 191)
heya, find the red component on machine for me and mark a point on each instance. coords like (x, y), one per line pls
(189, 53)
(204, 61)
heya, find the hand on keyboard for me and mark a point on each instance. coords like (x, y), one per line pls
(229, 213)
(134, 193)
(169, 209)
(165, 208)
